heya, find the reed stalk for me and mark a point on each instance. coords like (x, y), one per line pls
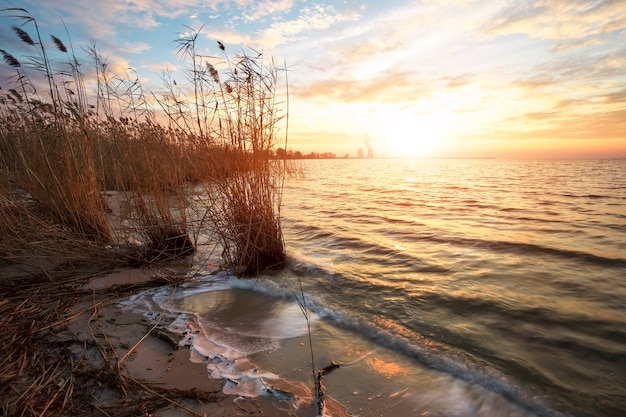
(232, 108)
(62, 146)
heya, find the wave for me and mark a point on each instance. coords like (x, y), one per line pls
(426, 351)
(438, 355)
(400, 301)
(518, 248)
(530, 248)
(450, 304)
(369, 238)
(587, 196)
(370, 249)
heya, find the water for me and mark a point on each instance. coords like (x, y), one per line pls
(453, 287)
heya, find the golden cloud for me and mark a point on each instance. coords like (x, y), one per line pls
(557, 20)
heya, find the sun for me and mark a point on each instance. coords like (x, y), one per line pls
(414, 146)
(416, 137)
(420, 131)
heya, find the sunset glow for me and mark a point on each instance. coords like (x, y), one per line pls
(460, 78)
(418, 136)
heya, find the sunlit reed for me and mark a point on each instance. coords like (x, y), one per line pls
(76, 141)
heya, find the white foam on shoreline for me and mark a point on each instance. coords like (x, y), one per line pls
(225, 321)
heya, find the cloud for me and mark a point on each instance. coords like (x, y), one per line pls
(144, 13)
(576, 76)
(399, 29)
(618, 97)
(567, 125)
(387, 87)
(228, 36)
(337, 141)
(558, 20)
(283, 29)
(309, 19)
(268, 7)
(543, 115)
(134, 47)
(564, 45)
(104, 20)
(410, 38)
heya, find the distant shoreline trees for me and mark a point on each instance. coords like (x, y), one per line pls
(281, 153)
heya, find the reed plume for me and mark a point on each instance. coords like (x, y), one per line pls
(10, 59)
(59, 44)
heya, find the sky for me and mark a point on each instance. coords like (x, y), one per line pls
(443, 78)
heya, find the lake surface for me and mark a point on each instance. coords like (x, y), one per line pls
(451, 287)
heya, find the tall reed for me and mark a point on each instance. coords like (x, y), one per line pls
(63, 145)
(44, 146)
(232, 107)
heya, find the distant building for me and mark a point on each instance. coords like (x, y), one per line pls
(370, 152)
(359, 153)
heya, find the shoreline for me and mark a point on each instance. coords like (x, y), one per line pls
(147, 358)
(89, 356)
(102, 356)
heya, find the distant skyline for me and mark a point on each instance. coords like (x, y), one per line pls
(459, 78)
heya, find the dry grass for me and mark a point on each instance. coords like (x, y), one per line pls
(36, 378)
(41, 375)
(235, 107)
(63, 145)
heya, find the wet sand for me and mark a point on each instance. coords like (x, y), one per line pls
(126, 363)
(149, 358)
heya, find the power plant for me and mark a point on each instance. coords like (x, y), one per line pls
(368, 145)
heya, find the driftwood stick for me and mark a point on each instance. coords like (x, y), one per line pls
(320, 389)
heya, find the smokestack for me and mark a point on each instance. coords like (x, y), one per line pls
(370, 150)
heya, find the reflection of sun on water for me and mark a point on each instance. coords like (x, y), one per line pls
(387, 369)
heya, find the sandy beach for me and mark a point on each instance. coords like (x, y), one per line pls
(112, 362)
(149, 360)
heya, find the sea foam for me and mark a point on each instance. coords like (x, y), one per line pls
(223, 321)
